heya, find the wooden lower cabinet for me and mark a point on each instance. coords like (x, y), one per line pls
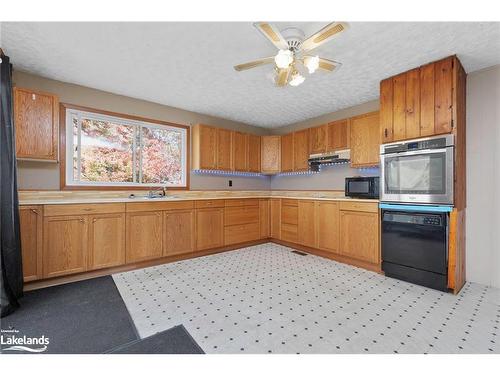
(307, 233)
(209, 228)
(178, 232)
(289, 220)
(359, 235)
(275, 218)
(328, 226)
(144, 236)
(265, 223)
(106, 240)
(65, 245)
(30, 218)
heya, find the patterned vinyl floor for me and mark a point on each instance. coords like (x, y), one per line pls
(267, 299)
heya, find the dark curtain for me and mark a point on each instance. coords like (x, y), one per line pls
(10, 238)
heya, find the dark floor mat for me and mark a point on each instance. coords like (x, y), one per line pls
(172, 341)
(82, 317)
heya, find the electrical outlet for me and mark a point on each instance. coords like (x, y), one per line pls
(230, 182)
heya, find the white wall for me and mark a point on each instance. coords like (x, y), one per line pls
(483, 177)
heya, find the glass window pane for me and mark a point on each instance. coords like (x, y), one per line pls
(106, 151)
(75, 148)
(161, 156)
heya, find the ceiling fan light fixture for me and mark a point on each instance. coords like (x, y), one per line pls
(283, 59)
(297, 79)
(311, 63)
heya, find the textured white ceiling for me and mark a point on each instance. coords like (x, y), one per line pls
(190, 65)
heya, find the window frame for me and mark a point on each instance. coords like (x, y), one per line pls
(133, 120)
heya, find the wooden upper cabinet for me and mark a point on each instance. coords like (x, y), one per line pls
(144, 236)
(254, 146)
(365, 142)
(204, 147)
(270, 154)
(64, 245)
(178, 232)
(37, 125)
(318, 139)
(106, 240)
(419, 102)
(301, 150)
(240, 151)
(338, 135)
(287, 154)
(30, 218)
(224, 149)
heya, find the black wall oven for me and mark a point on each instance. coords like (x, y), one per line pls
(362, 187)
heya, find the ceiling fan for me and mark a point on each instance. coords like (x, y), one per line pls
(293, 57)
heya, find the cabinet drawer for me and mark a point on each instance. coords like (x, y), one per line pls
(359, 206)
(242, 202)
(290, 202)
(241, 233)
(241, 215)
(159, 206)
(209, 203)
(289, 214)
(82, 209)
(289, 233)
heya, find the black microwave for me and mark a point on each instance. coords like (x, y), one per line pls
(362, 187)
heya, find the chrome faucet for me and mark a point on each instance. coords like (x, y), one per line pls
(156, 193)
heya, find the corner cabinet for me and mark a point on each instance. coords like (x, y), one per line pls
(365, 144)
(270, 154)
(36, 120)
(419, 102)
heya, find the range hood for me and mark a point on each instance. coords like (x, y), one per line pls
(336, 157)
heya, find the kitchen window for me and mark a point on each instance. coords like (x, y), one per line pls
(114, 151)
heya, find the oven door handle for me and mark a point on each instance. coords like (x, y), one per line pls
(418, 152)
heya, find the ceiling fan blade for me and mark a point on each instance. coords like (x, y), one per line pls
(282, 77)
(254, 64)
(324, 35)
(272, 34)
(328, 65)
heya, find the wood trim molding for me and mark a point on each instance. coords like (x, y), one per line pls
(62, 148)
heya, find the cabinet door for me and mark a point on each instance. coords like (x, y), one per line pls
(318, 139)
(36, 120)
(224, 149)
(276, 218)
(65, 245)
(271, 154)
(206, 147)
(265, 223)
(427, 100)
(209, 228)
(106, 240)
(399, 107)
(253, 153)
(328, 226)
(359, 235)
(144, 236)
(365, 142)
(307, 223)
(287, 153)
(179, 231)
(338, 135)
(386, 105)
(443, 100)
(301, 150)
(30, 218)
(240, 151)
(412, 110)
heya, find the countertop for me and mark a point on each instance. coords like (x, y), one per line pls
(59, 197)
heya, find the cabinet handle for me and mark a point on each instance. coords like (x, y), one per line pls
(87, 209)
(34, 211)
(33, 97)
(385, 132)
(94, 220)
(82, 221)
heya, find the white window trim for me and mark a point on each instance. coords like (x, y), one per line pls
(70, 181)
